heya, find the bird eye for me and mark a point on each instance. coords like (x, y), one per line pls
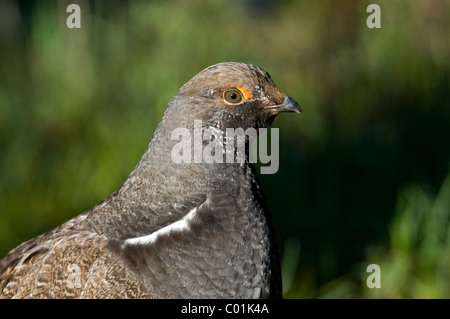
(232, 96)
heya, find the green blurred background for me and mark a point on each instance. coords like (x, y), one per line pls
(363, 175)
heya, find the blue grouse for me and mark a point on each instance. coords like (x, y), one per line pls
(174, 229)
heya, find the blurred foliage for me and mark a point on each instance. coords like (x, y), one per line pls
(414, 264)
(417, 265)
(78, 107)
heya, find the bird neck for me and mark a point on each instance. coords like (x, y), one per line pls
(190, 160)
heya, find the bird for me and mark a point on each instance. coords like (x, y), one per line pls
(173, 229)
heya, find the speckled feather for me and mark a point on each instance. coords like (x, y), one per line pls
(228, 250)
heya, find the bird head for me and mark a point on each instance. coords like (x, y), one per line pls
(231, 95)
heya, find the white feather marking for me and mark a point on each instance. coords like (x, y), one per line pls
(181, 225)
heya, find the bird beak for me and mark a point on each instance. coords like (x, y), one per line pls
(288, 105)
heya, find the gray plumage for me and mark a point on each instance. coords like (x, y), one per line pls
(172, 230)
